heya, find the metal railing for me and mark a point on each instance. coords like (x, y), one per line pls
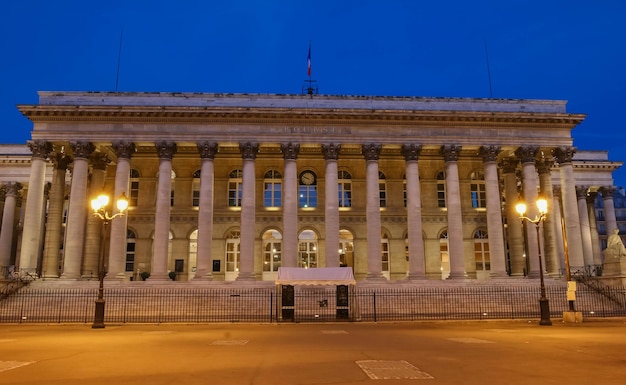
(310, 304)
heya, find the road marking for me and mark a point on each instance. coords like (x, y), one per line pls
(392, 370)
(470, 340)
(334, 332)
(8, 365)
(161, 332)
(229, 342)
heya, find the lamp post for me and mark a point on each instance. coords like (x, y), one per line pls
(542, 206)
(99, 206)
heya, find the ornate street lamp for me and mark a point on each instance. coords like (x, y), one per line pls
(99, 206)
(542, 206)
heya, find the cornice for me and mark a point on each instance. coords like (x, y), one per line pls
(214, 115)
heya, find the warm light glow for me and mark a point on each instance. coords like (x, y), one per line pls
(542, 205)
(520, 207)
(100, 202)
(122, 203)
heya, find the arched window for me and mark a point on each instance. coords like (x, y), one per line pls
(307, 190)
(441, 189)
(235, 188)
(344, 180)
(272, 189)
(477, 188)
(346, 248)
(307, 249)
(382, 189)
(195, 189)
(481, 251)
(272, 250)
(443, 252)
(134, 188)
(130, 251)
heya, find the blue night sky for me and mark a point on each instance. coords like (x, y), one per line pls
(538, 49)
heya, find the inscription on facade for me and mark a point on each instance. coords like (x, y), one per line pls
(315, 130)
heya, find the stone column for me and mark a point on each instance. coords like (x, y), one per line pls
(290, 205)
(207, 152)
(529, 172)
(165, 151)
(544, 167)
(8, 218)
(94, 225)
(2, 196)
(564, 157)
(248, 211)
(558, 269)
(331, 204)
(119, 226)
(54, 227)
(455, 217)
(78, 211)
(417, 263)
(514, 233)
(609, 208)
(593, 228)
(33, 213)
(495, 232)
(585, 227)
(371, 152)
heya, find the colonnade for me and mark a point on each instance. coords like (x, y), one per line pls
(82, 239)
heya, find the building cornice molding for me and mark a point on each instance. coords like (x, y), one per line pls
(287, 116)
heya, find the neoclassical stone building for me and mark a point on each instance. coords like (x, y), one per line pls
(233, 186)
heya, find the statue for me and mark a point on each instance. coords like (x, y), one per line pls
(614, 247)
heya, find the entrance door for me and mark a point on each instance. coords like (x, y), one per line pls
(233, 251)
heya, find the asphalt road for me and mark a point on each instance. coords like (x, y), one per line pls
(468, 353)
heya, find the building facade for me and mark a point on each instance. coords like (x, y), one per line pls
(229, 187)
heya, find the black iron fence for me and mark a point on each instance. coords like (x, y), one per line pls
(301, 304)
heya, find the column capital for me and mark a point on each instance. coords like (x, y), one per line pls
(564, 154)
(82, 149)
(450, 152)
(526, 154)
(489, 153)
(61, 160)
(591, 197)
(607, 192)
(544, 166)
(248, 150)
(165, 149)
(411, 151)
(13, 188)
(290, 150)
(508, 165)
(371, 151)
(124, 149)
(581, 192)
(331, 151)
(100, 161)
(40, 148)
(207, 149)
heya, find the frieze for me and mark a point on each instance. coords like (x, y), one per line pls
(304, 130)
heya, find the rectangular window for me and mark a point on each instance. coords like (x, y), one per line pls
(235, 192)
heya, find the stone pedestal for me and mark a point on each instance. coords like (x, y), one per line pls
(614, 270)
(572, 317)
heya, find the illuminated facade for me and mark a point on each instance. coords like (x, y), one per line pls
(233, 186)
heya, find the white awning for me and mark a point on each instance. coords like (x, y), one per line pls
(315, 276)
